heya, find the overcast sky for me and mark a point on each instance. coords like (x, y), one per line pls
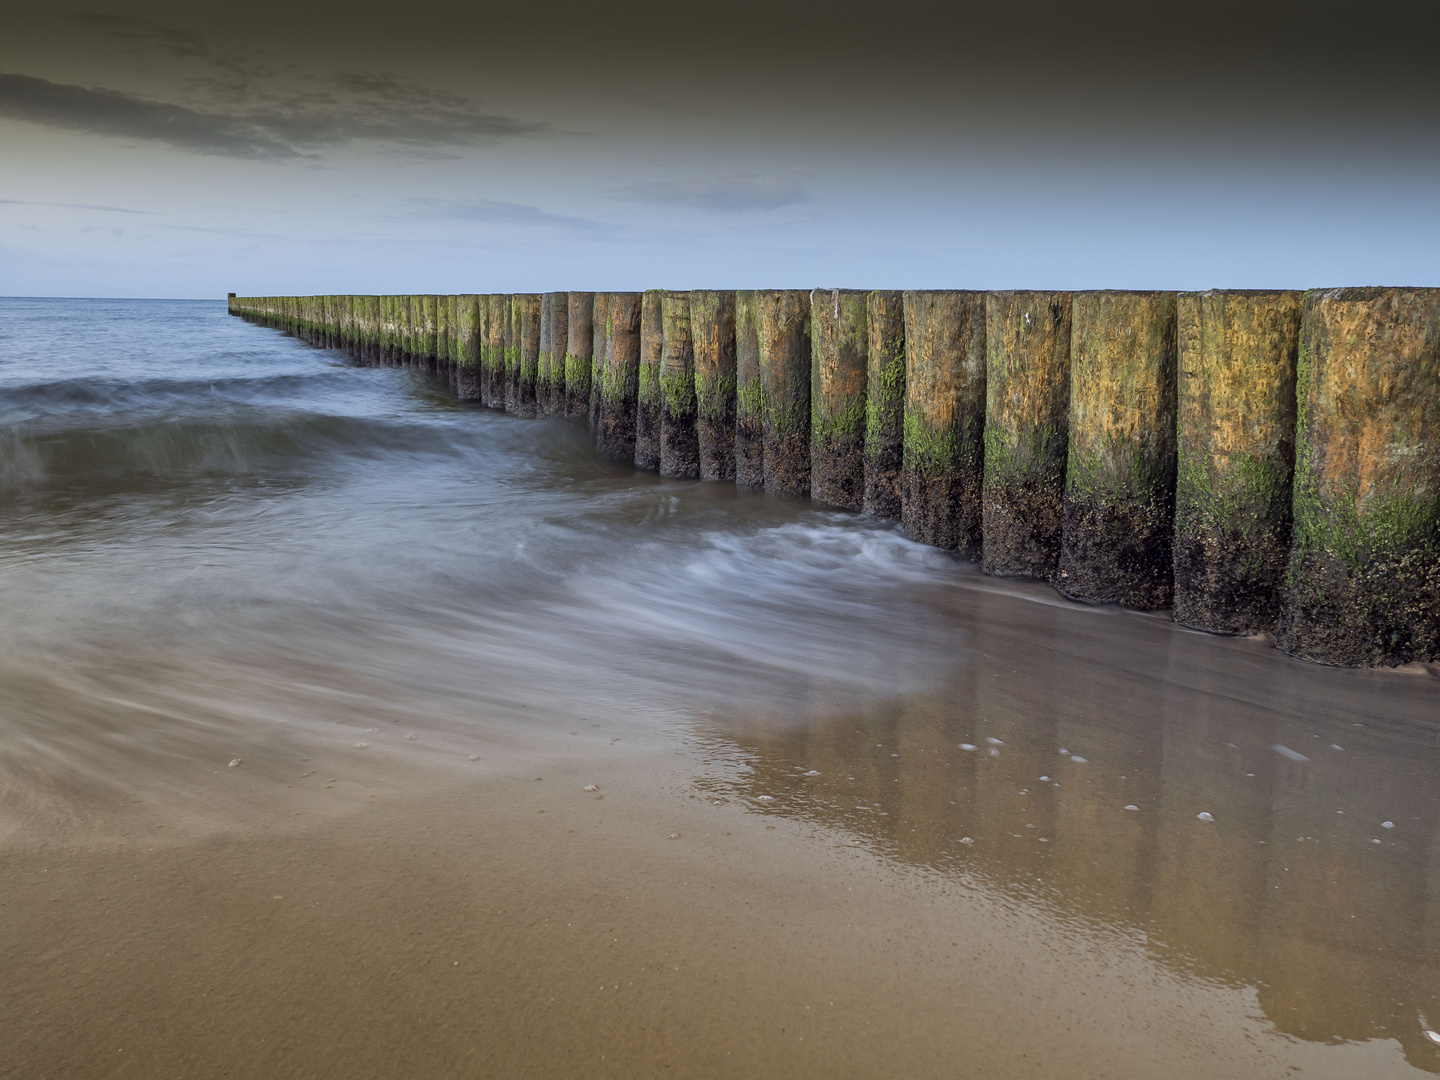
(166, 149)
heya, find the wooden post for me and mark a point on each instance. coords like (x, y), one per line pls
(944, 449)
(782, 323)
(579, 343)
(839, 346)
(712, 330)
(885, 403)
(1120, 467)
(1235, 457)
(749, 397)
(620, 377)
(647, 395)
(679, 446)
(1365, 557)
(1027, 431)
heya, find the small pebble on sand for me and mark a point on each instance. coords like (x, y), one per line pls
(765, 798)
(1132, 806)
(1078, 759)
(1387, 824)
(1204, 815)
(362, 746)
(473, 757)
(234, 762)
(967, 746)
(590, 787)
(673, 836)
(966, 840)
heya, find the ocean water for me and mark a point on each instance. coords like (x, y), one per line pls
(214, 535)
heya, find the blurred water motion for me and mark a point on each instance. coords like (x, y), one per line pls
(214, 536)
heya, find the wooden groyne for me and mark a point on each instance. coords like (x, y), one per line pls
(1266, 462)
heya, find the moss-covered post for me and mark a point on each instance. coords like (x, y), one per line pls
(712, 330)
(944, 452)
(749, 397)
(468, 337)
(885, 403)
(679, 447)
(442, 336)
(1117, 538)
(555, 337)
(1027, 431)
(513, 304)
(619, 377)
(1235, 457)
(647, 392)
(492, 373)
(599, 327)
(452, 341)
(839, 343)
(782, 328)
(403, 331)
(579, 341)
(546, 355)
(1365, 559)
(430, 346)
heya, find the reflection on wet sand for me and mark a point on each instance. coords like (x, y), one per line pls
(1070, 771)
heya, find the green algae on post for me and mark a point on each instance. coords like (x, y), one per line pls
(782, 330)
(492, 373)
(513, 303)
(619, 377)
(884, 403)
(1116, 544)
(679, 448)
(839, 345)
(712, 330)
(749, 397)
(647, 391)
(599, 327)
(554, 338)
(469, 331)
(528, 333)
(1364, 579)
(1235, 457)
(1027, 431)
(943, 457)
(579, 356)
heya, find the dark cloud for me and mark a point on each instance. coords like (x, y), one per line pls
(496, 212)
(384, 110)
(721, 194)
(109, 112)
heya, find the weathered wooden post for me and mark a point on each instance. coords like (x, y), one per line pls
(452, 341)
(529, 352)
(749, 397)
(579, 346)
(599, 327)
(1027, 431)
(782, 324)
(492, 373)
(428, 343)
(1116, 544)
(469, 331)
(620, 377)
(647, 394)
(513, 303)
(442, 336)
(885, 403)
(1235, 457)
(839, 346)
(1365, 558)
(944, 452)
(679, 446)
(555, 335)
(712, 330)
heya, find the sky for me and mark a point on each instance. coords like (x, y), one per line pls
(157, 149)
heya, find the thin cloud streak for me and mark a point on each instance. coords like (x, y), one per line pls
(730, 194)
(498, 212)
